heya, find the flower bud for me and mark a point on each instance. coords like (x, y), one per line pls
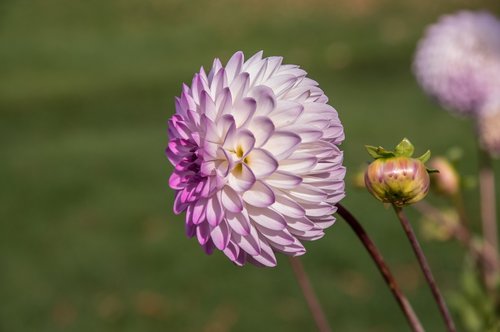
(488, 124)
(396, 177)
(447, 181)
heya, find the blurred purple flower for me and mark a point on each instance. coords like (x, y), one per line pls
(257, 163)
(458, 61)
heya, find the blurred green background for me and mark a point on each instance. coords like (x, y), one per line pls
(88, 241)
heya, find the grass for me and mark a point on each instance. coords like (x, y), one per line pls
(88, 241)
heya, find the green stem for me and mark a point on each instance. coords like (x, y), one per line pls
(424, 265)
(389, 279)
(488, 213)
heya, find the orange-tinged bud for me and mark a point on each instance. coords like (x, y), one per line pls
(395, 177)
(397, 180)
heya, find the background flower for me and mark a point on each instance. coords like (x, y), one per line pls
(257, 167)
(458, 61)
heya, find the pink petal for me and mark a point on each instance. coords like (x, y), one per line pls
(220, 235)
(232, 251)
(214, 211)
(203, 233)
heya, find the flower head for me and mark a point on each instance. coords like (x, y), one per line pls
(257, 166)
(395, 177)
(458, 61)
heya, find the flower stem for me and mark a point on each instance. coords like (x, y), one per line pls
(424, 265)
(403, 302)
(488, 211)
(309, 294)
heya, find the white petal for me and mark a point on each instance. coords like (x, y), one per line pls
(244, 109)
(281, 237)
(299, 163)
(214, 211)
(282, 144)
(220, 235)
(239, 222)
(230, 200)
(241, 178)
(281, 83)
(207, 105)
(300, 224)
(307, 193)
(264, 96)
(249, 243)
(260, 195)
(266, 256)
(224, 102)
(262, 127)
(239, 87)
(273, 64)
(267, 218)
(288, 207)
(286, 113)
(284, 180)
(307, 134)
(234, 65)
(261, 162)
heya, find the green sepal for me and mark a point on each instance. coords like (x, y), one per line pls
(432, 170)
(404, 148)
(425, 157)
(379, 152)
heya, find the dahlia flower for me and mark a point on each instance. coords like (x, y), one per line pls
(458, 61)
(257, 167)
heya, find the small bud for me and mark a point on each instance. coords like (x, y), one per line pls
(440, 230)
(488, 124)
(447, 181)
(395, 177)
(358, 180)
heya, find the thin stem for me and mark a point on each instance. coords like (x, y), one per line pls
(488, 211)
(403, 302)
(424, 265)
(309, 294)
